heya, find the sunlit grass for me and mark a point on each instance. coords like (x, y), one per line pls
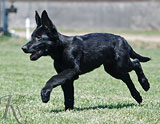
(99, 98)
(122, 31)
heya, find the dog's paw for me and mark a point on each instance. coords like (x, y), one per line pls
(145, 84)
(68, 108)
(45, 95)
(137, 97)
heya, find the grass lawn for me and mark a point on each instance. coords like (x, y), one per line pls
(99, 98)
(132, 32)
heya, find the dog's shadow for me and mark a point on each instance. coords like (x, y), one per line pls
(111, 106)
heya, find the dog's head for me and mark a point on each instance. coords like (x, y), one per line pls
(43, 38)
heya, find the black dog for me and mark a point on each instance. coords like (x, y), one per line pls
(76, 55)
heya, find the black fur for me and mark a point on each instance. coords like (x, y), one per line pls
(76, 55)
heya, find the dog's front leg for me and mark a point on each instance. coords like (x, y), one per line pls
(60, 79)
(68, 90)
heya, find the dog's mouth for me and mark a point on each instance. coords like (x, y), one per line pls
(36, 55)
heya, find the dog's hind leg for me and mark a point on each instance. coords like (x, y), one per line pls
(125, 77)
(123, 64)
(141, 77)
(135, 94)
(68, 90)
(128, 65)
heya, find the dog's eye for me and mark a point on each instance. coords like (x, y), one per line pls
(37, 38)
(44, 38)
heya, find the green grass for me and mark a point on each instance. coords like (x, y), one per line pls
(132, 32)
(99, 98)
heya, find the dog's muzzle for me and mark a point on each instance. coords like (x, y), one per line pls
(25, 49)
(34, 54)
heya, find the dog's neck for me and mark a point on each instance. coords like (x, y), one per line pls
(61, 43)
(64, 40)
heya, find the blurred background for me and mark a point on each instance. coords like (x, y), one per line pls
(98, 97)
(82, 15)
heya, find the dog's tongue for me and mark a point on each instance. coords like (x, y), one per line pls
(33, 56)
(36, 55)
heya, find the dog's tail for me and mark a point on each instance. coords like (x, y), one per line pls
(135, 55)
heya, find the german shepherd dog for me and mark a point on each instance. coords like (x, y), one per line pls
(77, 55)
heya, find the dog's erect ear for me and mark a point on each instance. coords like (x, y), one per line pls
(38, 19)
(47, 23)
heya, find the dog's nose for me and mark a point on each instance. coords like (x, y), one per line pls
(25, 49)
